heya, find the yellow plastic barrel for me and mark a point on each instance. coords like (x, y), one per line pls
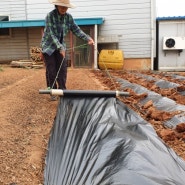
(111, 59)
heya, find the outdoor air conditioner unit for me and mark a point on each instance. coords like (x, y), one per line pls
(173, 43)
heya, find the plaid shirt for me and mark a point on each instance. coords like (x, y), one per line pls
(57, 27)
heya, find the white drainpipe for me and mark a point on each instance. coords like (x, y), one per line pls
(95, 46)
(152, 33)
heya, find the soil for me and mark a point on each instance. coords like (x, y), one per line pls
(27, 116)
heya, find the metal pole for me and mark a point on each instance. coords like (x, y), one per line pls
(83, 93)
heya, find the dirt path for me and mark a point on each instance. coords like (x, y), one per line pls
(26, 119)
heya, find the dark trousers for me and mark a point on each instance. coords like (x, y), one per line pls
(54, 68)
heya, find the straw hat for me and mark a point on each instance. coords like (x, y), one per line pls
(65, 3)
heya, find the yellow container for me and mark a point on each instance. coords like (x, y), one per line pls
(111, 59)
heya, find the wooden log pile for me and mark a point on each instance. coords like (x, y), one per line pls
(21, 63)
(36, 56)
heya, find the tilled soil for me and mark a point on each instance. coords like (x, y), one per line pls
(27, 117)
(173, 137)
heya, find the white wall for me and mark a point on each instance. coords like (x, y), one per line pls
(37, 9)
(130, 20)
(14, 9)
(25, 9)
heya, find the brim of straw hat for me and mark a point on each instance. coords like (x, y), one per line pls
(68, 5)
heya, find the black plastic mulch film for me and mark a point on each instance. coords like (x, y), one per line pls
(160, 102)
(100, 141)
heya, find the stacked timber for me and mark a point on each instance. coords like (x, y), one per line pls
(36, 56)
(36, 60)
(21, 63)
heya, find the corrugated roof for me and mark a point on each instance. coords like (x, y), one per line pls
(171, 18)
(40, 23)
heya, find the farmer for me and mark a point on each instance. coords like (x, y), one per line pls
(58, 24)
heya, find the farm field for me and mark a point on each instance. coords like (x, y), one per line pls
(27, 116)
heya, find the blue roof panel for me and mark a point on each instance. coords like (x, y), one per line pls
(41, 23)
(171, 18)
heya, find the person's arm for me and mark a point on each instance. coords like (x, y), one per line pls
(79, 33)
